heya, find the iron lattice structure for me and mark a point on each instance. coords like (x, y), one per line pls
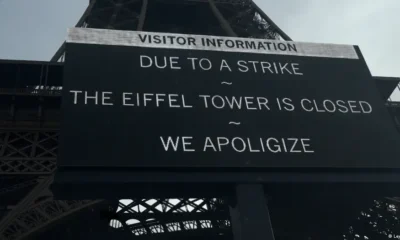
(30, 116)
(143, 216)
(29, 151)
(139, 217)
(40, 215)
(30, 98)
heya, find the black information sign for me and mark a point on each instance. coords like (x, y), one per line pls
(136, 99)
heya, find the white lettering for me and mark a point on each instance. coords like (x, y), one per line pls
(142, 57)
(241, 66)
(209, 143)
(95, 97)
(365, 104)
(174, 63)
(302, 104)
(171, 100)
(75, 92)
(193, 62)
(292, 149)
(186, 142)
(262, 102)
(224, 64)
(205, 66)
(125, 98)
(235, 147)
(234, 102)
(306, 145)
(104, 98)
(248, 101)
(158, 99)
(295, 69)
(205, 99)
(145, 99)
(352, 106)
(220, 143)
(170, 142)
(184, 103)
(277, 148)
(222, 105)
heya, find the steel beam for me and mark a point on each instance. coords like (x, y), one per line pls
(24, 204)
(250, 215)
(25, 151)
(40, 216)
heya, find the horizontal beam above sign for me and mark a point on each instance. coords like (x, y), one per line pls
(208, 43)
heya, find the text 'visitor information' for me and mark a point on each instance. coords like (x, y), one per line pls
(158, 100)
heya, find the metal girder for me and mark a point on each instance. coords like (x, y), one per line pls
(36, 210)
(18, 186)
(138, 216)
(168, 205)
(130, 21)
(154, 216)
(81, 21)
(28, 166)
(39, 216)
(111, 21)
(28, 151)
(269, 21)
(41, 189)
(240, 16)
(34, 151)
(225, 25)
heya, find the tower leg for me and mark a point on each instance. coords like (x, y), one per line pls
(250, 217)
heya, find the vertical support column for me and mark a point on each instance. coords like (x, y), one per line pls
(25, 203)
(250, 217)
(4, 143)
(34, 144)
(142, 17)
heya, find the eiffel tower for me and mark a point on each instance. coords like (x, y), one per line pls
(29, 132)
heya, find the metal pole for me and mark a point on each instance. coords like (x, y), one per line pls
(250, 217)
(222, 21)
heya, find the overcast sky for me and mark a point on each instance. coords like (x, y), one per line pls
(34, 29)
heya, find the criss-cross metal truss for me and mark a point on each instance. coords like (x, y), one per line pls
(155, 216)
(34, 151)
(138, 216)
(28, 151)
(40, 215)
(28, 148)
(242, 18)
(36, 210)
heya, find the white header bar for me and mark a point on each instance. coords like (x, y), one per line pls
(210, 43)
